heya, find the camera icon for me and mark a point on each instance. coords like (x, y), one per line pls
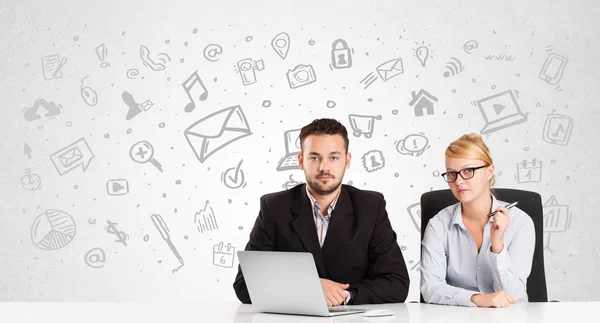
(301, 75)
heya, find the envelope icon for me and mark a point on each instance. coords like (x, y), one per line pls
(390, 69)
(146, 105)
(217, 130)
(70, 156)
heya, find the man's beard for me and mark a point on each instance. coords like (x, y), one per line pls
(324, 189)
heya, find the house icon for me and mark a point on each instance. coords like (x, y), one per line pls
(422, 100)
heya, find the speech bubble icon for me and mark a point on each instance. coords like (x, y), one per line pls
(413, 145)
(70, 157)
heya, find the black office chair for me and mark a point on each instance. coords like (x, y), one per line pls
(530, 202)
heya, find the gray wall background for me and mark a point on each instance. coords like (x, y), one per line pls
(73, 233)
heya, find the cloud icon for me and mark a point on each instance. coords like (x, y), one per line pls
(52, 110)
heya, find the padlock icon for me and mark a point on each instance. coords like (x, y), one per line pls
(341, 56)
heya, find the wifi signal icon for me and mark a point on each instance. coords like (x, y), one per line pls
(453, 67)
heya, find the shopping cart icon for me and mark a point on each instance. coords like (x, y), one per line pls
(363, 125)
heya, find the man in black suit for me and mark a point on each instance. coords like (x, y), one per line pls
(346, 229)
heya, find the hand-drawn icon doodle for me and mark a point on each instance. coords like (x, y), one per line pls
(53, 229)
(102, 53)
(162, 228)
(155, 65)
(556, 219)
(413, 145)
(205, 219)
(414, 211)
(95, 258)
(142, 152)
(116, 187)
(33, 113)
(234, 177)
(52, 65)
(291, 183)
(386, 72)
(529, 172)
(134, 108)
(211, 52)
(200, 90)
(500, 57)
(111, 228)
(500, 111)
(300, 76)
(88, 94)
(422, 53)
(422, 101)
(292, 148)
(92, 221)
(70, 157)
(341, 55)
(27, 150)
(553, 69)
(557, 129)
(281, 44)
(363, 125)
(132, 73)
(453, 67)
(205, 139)
(416, 266)
(247, 69)
(373, 160)
(469, 46)
(31, 182)
(223, 256)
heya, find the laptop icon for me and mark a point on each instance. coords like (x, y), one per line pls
(292, 149)
(500, 111)
(286, 283)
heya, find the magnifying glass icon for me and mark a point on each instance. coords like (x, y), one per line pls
(143, 152)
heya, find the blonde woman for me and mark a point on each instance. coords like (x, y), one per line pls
(468, 259)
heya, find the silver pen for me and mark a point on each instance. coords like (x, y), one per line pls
(508, 207)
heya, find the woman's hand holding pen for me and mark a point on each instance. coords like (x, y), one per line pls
(501, 222)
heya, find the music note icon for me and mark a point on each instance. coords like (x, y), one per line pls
(188, 85)
(558, 130)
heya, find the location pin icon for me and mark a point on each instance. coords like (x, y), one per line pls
(422, 54)
(281, 44)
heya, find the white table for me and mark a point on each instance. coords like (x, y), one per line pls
(32, 312)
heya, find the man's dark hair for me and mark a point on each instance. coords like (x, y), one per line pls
(324, 127)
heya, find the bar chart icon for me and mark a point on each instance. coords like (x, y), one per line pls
(205, 219)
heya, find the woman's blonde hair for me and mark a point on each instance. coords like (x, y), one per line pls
(471, 146)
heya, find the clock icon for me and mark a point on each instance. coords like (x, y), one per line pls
(31, 182)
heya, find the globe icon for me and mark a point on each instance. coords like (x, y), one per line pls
(52, 230)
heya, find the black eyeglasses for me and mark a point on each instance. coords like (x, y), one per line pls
(465, 173)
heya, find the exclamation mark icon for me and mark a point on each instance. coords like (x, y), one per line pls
(102, 53)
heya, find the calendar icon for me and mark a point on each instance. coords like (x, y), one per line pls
(223, 255)
(529, 172)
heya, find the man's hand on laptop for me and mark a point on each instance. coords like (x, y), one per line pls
(334, 292)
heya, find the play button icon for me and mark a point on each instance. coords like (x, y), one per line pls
(498, 108)
(117, 187)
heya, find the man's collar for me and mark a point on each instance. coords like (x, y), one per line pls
(314, 202)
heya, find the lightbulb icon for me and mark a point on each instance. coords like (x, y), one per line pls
(423, 53)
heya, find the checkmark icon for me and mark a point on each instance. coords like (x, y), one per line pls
(237, 180)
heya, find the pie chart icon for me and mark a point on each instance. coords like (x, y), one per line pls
(52, 230)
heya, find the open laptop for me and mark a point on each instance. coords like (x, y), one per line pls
(292, 149)
(286, 283)
(500, 111)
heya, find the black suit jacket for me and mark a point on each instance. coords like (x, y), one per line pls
(360, 248)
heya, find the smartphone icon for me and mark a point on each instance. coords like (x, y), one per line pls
(553, 68)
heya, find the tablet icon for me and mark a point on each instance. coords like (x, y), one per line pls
(553, 68)
(557, 129)
(292, 149)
